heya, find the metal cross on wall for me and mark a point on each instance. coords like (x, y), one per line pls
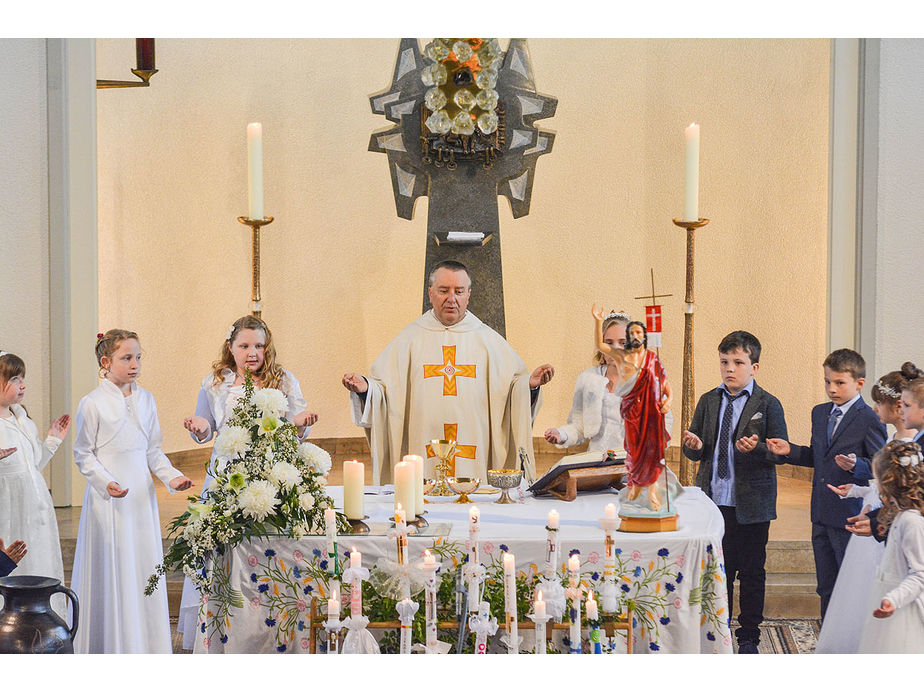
(463, 174)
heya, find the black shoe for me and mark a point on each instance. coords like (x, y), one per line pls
(747, 647)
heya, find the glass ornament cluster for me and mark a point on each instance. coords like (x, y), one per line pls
(461, 79)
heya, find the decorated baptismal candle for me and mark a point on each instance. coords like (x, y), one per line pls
(356, 585)
(594, 618)
(574, 592)
(400, 532)
(353, 488)
(592, 614)
(539, 617)
(330, 524)
(551, 557)
(510, 603)
(474, 526)
(430, 605)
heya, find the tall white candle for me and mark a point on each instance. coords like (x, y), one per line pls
(418, 463)
(404, 487)
(474, 526)
(255, 170)
(333, 609)
(353, 489)
(330, 530)
(551, 558)
(691, 173)
(356, 585)
(510, 603)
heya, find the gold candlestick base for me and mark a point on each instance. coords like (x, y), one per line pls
(691, 224)
(255, 224)
(358, 526)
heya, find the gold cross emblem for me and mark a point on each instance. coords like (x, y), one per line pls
(449, 370)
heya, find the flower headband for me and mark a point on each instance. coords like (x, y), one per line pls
(229, 333)
(910, 460)
(3, 353)
(617, 314)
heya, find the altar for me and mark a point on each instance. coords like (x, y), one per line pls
(674, 580)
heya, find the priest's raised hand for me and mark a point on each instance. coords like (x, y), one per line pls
(355, 383)
(541, 376)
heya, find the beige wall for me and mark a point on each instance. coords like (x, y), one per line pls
(341, 271)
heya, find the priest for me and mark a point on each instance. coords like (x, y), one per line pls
(448, 376)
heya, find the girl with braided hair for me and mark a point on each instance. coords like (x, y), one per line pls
(895, 621)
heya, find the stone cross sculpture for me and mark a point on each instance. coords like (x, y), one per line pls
(464, 134)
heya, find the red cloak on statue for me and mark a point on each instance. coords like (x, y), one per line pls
(646, 439)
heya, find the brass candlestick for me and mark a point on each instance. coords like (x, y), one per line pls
(688, 467)
(255, 225)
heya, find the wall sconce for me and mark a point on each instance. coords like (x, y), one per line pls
(144, 50)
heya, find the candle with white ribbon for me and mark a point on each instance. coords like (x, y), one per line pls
(356, 585)
(404, 487)
(691, 173)
(510, 603)
(574, 590)
(400, 532)
(353, 489)
(255, 170)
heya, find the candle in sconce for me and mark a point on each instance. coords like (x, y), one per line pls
(610, 511)
(255, 170)
(691, 173)
(353, 489)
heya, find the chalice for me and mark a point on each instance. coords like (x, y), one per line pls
(505, 479)
(444, 450)
(463, 486)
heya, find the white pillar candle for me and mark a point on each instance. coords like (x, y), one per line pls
(404, 487)
(551, 558)
(255, 170)
(691, 173)
(592, 613)
(610, 511)
(353, 489)
(429, 558)
(418, 463)
(330, 529)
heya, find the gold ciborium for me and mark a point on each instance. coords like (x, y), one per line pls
(505, 479)
(463, 486)
(444, 450)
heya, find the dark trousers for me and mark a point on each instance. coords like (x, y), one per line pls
(828, 545)
(745, 549)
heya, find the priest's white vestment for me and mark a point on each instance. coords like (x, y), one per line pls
(463, 382)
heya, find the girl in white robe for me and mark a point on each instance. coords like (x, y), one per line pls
(249, 346)
(117, 448)
(26, 508)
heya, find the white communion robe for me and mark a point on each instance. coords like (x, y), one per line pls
(26, 508)
(462, 382)
(119, 544)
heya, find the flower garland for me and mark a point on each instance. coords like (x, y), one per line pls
(265, 483)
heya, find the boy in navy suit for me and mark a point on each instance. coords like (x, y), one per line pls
(727, 436)
(845, 425)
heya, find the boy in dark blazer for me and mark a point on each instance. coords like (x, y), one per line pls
(846, 433)
(727, 437)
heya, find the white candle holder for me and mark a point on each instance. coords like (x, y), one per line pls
(407, 609)
(483, 625)
(332, 626)
(430, 588)
(540, 622)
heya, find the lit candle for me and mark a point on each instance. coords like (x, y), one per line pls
(356, 585)
(330, 525)
(691, 174)
(591, 607)
(610, 511)
(356, 559)
(429, 560)
(400, 519)
(474, 519)
(539, 606)
(404, 487)
(255, 170)
(553, 519)
(353, 488)
(333, 609)
(574, 563)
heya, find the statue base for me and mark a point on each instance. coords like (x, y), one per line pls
(635, 523)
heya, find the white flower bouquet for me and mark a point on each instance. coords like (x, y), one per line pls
(265, 482)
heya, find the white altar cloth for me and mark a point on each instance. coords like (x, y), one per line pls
(676, 579)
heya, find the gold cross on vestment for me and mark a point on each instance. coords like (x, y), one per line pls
(450, 431)
(449, 370)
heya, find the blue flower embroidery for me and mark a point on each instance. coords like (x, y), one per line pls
(617, 551)
(323, 565)
(503, 547)
(316, 552)
(301, 625)
(595, 576)
(296, 572)
(653, 647)
(270, 622)
(308, 589)
(638, 571)
(710, 636)
(709, 548)
(263, 588)
(269, 553)
(572, 613)
(253, 577)
(665, 620)
(670, 587)
(223, 638)
(624, 587)
(663, 552)
(281, 648)
(679, 577)
(202, 627)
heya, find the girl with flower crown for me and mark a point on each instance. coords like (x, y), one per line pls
(248, 346)
(843, 623)
(117, 447)
(895, 615)
(26, 509)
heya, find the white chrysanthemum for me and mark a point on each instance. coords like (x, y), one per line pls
(306, 501)
(284, 474)
(316, 458)
(271, 402)
(258, 500)
(232, 442)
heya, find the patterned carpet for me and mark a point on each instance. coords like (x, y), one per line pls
(778, 636)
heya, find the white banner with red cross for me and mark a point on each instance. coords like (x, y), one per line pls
(653, 325)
